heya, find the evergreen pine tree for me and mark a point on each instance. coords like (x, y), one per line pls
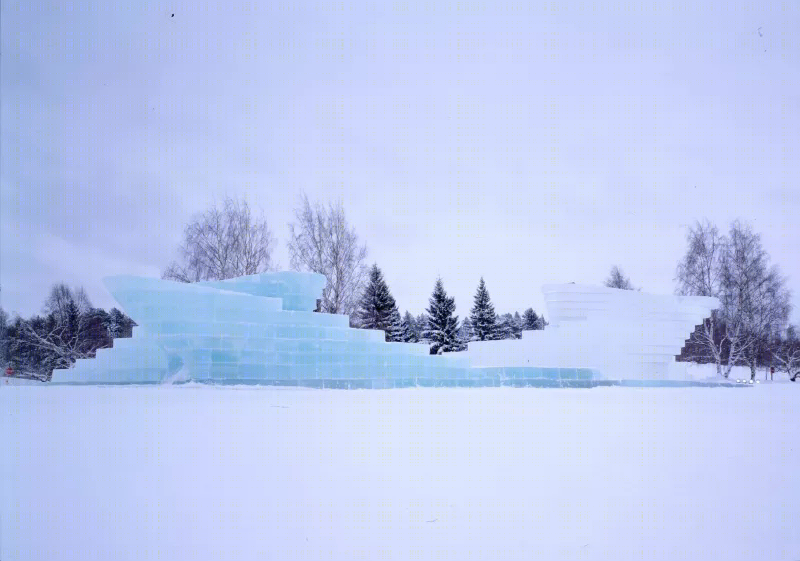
(394, 331)
(442, 329)
(115, 323)
(466, 333)
(420, 327)
(409, 329)
(73, 317)
(3, 338)
(517, 325)
(377, 308)
(503, 328)
(482, 316)
(530, 320)
(508, 328)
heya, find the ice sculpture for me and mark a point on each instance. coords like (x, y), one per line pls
(260, 329)
(253, 329)
(621, 334)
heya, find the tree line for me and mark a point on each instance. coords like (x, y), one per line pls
(438, 325)
(751, 326)
(69, 329)
(229, 240)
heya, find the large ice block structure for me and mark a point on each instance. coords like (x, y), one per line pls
(619, 334)
(260, 329)
(253, 329)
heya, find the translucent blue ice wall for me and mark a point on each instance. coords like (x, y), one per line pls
(254, 329)
(297, 291)
(260, 329)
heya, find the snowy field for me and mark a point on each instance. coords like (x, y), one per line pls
(192, 472)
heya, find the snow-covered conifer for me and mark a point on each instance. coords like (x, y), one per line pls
(508, 328)
(394, 331)
(377, 308)
(466, 333)
(530, 320)
(420, 327)
(482, 316)
(408, 332)
(442, 329)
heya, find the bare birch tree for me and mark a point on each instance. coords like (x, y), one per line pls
(60, 338)
(699, 274)
(59, 300)
(63, 342)
(321, 241)
(222, 243)
(754, 301)
(754, 293)
(787, 354)
(617, 279)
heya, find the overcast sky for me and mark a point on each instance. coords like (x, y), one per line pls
(526, 143)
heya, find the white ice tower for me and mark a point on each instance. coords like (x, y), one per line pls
(619, 334)
(261, 329)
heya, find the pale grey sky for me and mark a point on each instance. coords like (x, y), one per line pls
(523, 142)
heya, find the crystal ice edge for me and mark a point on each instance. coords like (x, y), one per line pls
(261, 330)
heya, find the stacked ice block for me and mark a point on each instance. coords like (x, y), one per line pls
(260, 329)
(619, 334)
(254, 329)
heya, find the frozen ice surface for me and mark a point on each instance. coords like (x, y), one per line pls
(262, 329)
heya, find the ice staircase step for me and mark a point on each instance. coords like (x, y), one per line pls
(262, 329)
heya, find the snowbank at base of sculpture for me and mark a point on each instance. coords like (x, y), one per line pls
(260, 329)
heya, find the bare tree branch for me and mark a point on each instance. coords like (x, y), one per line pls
(65, 339)
(754, 301)
(787, 354)
(617, 279)
(321, 241)
(223, 243)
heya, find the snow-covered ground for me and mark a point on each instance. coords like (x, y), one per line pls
(694, 371)
(198, 472)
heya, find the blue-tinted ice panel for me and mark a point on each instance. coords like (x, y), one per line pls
(262, 329)
(298, 291)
